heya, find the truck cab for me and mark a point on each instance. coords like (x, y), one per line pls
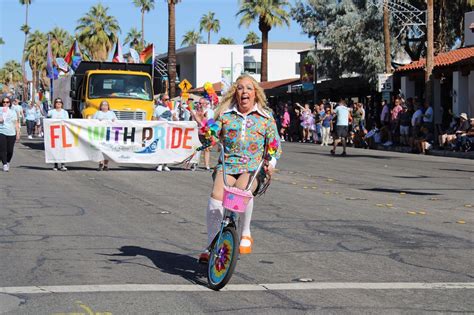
(126, 87)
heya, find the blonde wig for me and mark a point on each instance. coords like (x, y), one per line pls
(230, 98)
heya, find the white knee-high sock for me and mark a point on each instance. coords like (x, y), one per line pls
(245, 219)
(214, 215)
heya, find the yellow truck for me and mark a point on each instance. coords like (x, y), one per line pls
(128, 88)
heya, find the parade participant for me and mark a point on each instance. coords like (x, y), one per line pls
(307, 122)
(246, 128)
(30, 116)
(9, 132)
(162, 112)
(104, 113)
(18, 109)
(201, 115)
(58, 113)
(342, 126)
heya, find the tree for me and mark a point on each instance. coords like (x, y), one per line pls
(268, 14)
(133, 37)
(226, 41)
(36, 50)
(172, 46)
(145, 6)
(2, 42)
(11, 73)
(209, 23)
(61, 41)
(25, 29)
(98, 32)
(252, 38)
(191, 38)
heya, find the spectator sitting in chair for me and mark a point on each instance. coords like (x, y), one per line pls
(450, 136)
(424, 142)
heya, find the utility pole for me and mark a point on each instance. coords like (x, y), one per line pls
(315, 71)
(430, 52)
(386, 36)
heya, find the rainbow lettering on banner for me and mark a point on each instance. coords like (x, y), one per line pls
(147, 142)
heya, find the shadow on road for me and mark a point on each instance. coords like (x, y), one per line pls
(184, 266)
(397, 191)
(455, 170)
(350, 155)
(34, 145)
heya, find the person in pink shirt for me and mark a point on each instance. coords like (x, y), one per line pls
(285, 123)
(395, 117)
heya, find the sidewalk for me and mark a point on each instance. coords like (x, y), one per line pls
(445, 153)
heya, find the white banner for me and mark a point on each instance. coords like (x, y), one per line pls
(123, 141)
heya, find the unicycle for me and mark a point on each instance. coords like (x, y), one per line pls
(224, 249)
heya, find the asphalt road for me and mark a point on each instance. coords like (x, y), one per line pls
(372, 233)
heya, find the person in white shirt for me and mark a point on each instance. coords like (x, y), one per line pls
(104, 113)
(162, 112)
(58, 113)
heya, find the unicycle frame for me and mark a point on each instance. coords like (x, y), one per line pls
(229, 221)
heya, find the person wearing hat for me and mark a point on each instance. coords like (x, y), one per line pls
(449, 138)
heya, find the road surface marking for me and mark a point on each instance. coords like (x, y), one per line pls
(238, 287)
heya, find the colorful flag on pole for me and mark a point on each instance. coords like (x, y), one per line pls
(74, 56)
(51, 70)
(148, 54)
(118, 56)
(135, 56)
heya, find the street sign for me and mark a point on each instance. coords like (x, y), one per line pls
(184, 96)
(385, 83)
(185, 85)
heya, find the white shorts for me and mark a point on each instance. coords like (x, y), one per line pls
(404, 130)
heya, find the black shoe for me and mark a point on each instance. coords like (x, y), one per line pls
(343, 153)
(106, 168)
(333, 152)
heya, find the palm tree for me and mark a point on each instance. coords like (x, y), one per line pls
(98, 32)
(145, 6)
(36, 49)
(209, 23)
(226, 41)
(2, 42)
(268, 14)
(133, 37)
(252, 38)
(61, 41)
(26, 29)
(172, 46)
(11, 73)
(191, 38)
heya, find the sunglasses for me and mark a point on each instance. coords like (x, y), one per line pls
(5, 102)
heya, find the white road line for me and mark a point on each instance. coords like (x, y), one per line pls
(238, 287)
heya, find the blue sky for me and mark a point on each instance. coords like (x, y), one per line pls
(44, 15)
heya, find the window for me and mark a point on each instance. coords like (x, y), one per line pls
(253, 67)
(297, 68)
(120, 86)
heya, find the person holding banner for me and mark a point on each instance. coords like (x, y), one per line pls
(245, 126)
(162, 112)
(58, 113)
(9, 132)
(104, 113)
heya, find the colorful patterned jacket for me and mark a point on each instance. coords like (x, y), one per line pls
(245, 139)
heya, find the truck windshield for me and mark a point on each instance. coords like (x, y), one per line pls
(120, 86)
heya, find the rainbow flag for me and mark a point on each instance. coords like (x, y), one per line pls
(148, 54)
(118, 56)
(74, 56)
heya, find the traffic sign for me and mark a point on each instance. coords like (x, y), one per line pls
(185, 85)
(184, 96)
(385, 82)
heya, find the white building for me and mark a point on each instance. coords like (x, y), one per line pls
(210, 63)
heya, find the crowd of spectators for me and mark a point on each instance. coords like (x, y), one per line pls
(405, 123)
